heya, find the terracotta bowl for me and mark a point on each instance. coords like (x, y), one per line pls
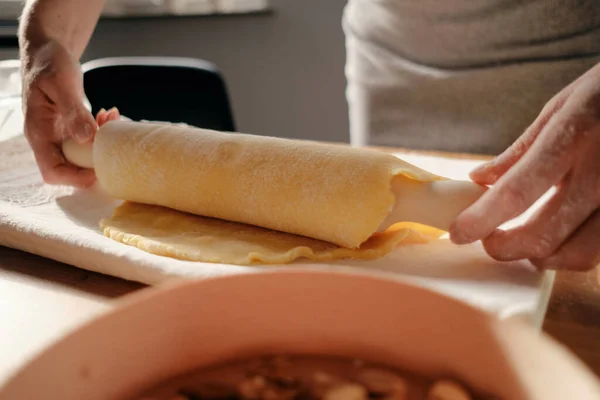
(165, 331)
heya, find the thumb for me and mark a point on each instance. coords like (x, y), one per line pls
(78, 121)
(65, 86)
(81, 124)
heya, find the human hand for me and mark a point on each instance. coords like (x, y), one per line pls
(104, 116)
(561, 149)
(54, 111)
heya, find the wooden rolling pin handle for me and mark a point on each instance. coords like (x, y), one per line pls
(435, 203)
(79, 154)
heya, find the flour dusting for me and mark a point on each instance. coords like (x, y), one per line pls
(20, 180)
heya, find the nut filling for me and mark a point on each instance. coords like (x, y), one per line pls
(306, 378)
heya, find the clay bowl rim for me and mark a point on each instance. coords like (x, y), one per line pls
(138, 298)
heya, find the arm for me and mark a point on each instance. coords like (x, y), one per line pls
(68, 22)
(52, 36)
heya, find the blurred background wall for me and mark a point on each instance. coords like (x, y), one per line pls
(284, 69)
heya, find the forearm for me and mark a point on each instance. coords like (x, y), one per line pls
(68, 22)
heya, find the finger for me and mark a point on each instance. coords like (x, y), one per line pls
(79, 123)
(53, 166)
(581, 252)
(548, 228)
(113, 115)
(67, 174)
(63, 87)
(105, 116)
(82, 126)
(55, 170)
(489, 173)
(540, 168)
(74, 119)
(101, 117)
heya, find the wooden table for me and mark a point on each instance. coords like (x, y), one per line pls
(40, 300)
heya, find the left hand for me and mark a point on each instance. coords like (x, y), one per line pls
(562, 149)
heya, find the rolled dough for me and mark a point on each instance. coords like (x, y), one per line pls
(328, 192)
(166, 232)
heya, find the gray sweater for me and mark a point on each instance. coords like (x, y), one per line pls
(461, 75)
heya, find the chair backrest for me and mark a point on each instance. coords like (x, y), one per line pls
(166, 89)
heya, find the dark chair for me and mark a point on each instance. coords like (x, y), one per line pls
(160, 89)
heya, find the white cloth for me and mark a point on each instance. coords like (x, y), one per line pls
(61, 223)
(461, 75)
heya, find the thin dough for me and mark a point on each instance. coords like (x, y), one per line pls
(166, 232)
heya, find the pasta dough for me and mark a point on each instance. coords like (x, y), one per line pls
(162, 231)
(328, 199)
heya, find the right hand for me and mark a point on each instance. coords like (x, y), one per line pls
(54, 111)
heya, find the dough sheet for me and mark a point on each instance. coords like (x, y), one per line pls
(166, 232)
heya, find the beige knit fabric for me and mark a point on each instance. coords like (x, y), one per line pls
(461, 75)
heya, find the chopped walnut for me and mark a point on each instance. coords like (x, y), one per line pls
(447, 390)
(307, 378)
(350, 391)
(321, 382)
(279, 394)
(252, 388)
(380, 382)
(323, 378)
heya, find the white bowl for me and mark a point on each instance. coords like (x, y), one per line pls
(165, 331)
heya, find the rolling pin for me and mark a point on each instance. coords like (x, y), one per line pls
(335, 193)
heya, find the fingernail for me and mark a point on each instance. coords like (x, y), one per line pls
(484, 175)
(482, 168)
(85, 134)
(457, 236)
(113, 112)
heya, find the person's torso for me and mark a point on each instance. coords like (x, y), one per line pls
(462, 75)
(467, 33)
